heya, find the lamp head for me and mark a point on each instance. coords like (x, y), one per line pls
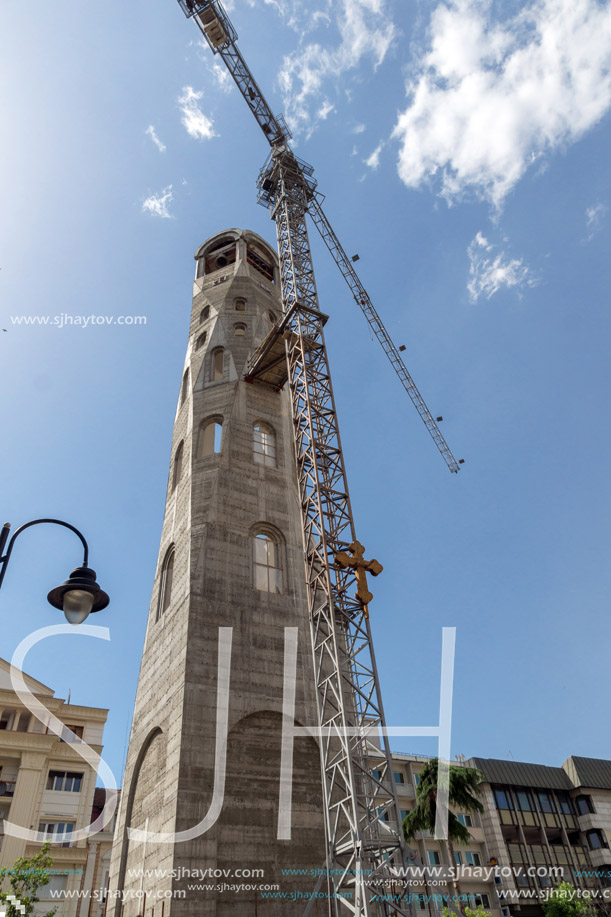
(79, 596)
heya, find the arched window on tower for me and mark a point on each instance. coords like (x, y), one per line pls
(185, 388)
(240, 305)
(264, 444)
(204, 314)
(239, 329)
(267, 563)
(177, 465)
(201, 340)
(216, 372)
(210, 438)
(165, 584)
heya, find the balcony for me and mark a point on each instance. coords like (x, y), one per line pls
(7, 788)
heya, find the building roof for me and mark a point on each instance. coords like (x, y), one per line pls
(589, 772)
(518, 773)
(36, 687)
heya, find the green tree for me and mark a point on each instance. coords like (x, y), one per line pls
(26, 877)
(463, 792)
(479, 911)
(564, 901)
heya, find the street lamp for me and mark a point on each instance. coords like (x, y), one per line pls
(80, 595)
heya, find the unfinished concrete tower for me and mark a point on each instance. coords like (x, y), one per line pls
(231, 556)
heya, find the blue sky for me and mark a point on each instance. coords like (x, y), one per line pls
(463, 149)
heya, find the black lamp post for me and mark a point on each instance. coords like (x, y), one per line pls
(80, 595)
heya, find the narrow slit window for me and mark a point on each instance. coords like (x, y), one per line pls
(165, 586)
(210, 438)
(201, 340)
(204, 314)
(217, 365)
(264, 444)
(185, 388)
(177, 466)
(267, 564)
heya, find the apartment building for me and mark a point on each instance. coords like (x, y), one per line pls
(47, 787)
(544, 824)
(540, 825)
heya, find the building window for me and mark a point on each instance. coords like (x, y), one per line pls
(502, 800)
(240, 305)
(259, 261)
(416, 780)
(472, 859)
(584, 805)
(201, 268)
(239, 329)
(384, 816)
(58, 832)
(24, 722)
(184, 391)
(457, 858)
(53, 888)
(64, 782)
(465, 820)
(267, 564)
(165, 586)
(272, 317)
(398, 776)
(67, 733)
(210, 438)
(220, 255)
(177, 465)
(201, 340)
(546, 803)
(217, 365)
(524, 801)
(404, 814)
(377, 775)
(596, 839)
(7, 718)
(264, 444)
(204, 314)
(433, 858)
(564, 801)
(479, 901)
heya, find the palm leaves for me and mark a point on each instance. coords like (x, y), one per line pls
(464, 788)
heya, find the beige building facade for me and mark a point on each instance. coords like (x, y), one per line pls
(47, 787)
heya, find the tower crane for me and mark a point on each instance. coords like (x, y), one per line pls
(363, 853)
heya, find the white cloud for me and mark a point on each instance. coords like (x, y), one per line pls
(490, 98)
(157, 204)
(325, 110)
(152, 133)
(594, 219)
(196, 123)
(490, 270)
(373, 161)
(359, 129)
(365, 31)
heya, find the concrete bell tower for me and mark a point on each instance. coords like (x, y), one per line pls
(231, 556)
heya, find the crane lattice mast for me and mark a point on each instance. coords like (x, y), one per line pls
(358, 789)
